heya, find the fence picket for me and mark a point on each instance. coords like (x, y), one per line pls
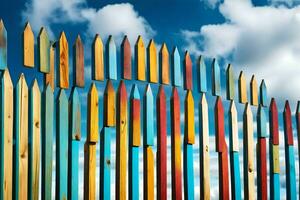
(164, 65)
(263, 93)
(111, 59)
(242, 88)
(3, 46)
(49, 77)
(109, 109)
(216, 78)
(253, 92)
(126, 59)
(28, 46)
(202, 82)
(44, 51)
(188, 71)
(176, 68)
(140, 60)
(230, 87)
(152, 62)
(97, 59)
(63, 62)
(78, 63)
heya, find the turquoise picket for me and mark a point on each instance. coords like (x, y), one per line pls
(62, 120)
(188, 167)
(216, 79)
(149, 116)
(202, 82)
(261, 122)
(111, 59)
(176, 68)
(235, 175)
(105, 162)
(263, 94)
(47, 142)
(290, 172)
(3, 46)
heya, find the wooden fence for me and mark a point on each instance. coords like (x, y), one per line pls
(32, 119)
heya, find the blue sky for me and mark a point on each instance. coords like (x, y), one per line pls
(259, 37)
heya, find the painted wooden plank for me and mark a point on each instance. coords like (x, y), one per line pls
(188, 71)
(274, 172)
(261, 122)
(242, 88)
(263, 93)
(204, 151)
(230, 89)
(134, 172)
(28, 46)
(63, 62)
(176, 68)
(273, 120)
(176, 145)
(223, 176)
(253, 92)
(75, 115)
(89, 188)
(248, 140)
(202, 80)
(111, 59)
(291, 191)
(62, 132)
(21, 139)
(121, 142)
(97, 59)
(161, 144)
(135, 116)
(220, 126)
(235, 176)
(109, 105)
(6, 137)
(233, 128)
(216, 78)
(275, 191)
(164, 65)
(3, 46)
(148, 117)
(188, 164)
(49, 78)
(44, 50)
(148, 173)
(78, 63)
(275, 159)
(262, 174)
(126, 59)
(140, 59)
(152, 62)
(288, 129)
(105, 163)
(47, 141)
(92, 114)
(34, 128)
(189, 128)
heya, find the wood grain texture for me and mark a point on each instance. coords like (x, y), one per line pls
(152, 62)
(176, 68)
(34, 128)
(263, 93)
(63, 62)
(111, 59)
(261, 122)
(135, 117)
(92, 114)
(233, 128)
(253, 92)
(126, 59)
(148, 117)
(3, 46)
(49, 78)
(148, 173)
(288, 129)
(6, 146)
(44, 51)
(230, 87)
(262, 173)
(220, 126)
(21, 139)
(273, 120)
(121, 142)
(161, 144)
(164, 66)
(242, 88)
(109, 105)
(176, 146)
(202, 80)
(28, 46)
(140, 59)
(78, 63)
(188, 71)
(188, 168)
(89, 188)
(189, 128)
(216, 78)
(97, 59)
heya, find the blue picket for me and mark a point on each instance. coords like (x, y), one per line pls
(176, 68)
(188, 168)
(216, 78)
(149, 116)
(202, 82)
(111, 59)
(3, 46)
(235, 175)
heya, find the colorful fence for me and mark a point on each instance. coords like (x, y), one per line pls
(33, 121)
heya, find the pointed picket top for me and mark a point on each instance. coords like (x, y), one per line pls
(135, 92)
(253, 92)
(263, 93)
(274, 127)
(3, 46)
(288, 129)
(164, 64)
(28, 46)
(109, 105)
(92, 115)
(242, 88)
(189, 118)
(216, 78)
(135, 116)
(188, 71)
(63, 62)
(176, 68)
(111, 58)
(6, 79)
(97, 59)
(152, 62)
(126, 59)
(233, 128)
(140, 59)
(220, 126)
(62, 97)
(22, 82)
(44, 51)
(75, 114)
(230, 90)
(261, 122)
(148, 116)
(35, 86)
(49, 77)
(202, 82)
(78, 63)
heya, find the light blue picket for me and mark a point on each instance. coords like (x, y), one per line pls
(105, 163)
(3, 46)
(202, 82)
(74, 138)
(261, 122)
(47, 141)
(111, 59)
(176, 68)
(149, 116)
(62, 133)
(216, 79)
(235, 175)
(263, 93)
(290, 173)
(188, 167)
